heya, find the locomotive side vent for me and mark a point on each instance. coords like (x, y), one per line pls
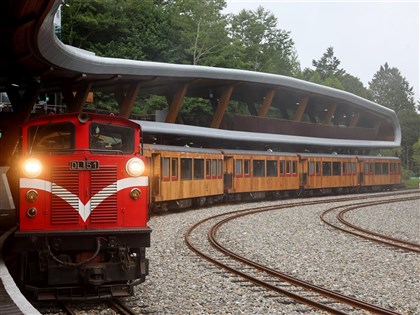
(104, 195)
(63, 201)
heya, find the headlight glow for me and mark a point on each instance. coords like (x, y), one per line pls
(135, 167)
(32, 168)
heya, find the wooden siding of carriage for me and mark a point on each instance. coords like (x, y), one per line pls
(372, 179)
(249, 183)
(320, 180)
(167, 189)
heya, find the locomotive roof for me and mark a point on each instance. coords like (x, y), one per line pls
(88, 116)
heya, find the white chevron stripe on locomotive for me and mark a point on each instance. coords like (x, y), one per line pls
(84, 209)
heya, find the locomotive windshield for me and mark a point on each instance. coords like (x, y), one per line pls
(52, 137)
(105, 138)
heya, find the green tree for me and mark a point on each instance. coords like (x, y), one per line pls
(327, 66)
(128, 29)
(354, 85)
(327, 72)
(416, 156)
(200, 26)
(260, 44)
(389, 88)
(410, 130)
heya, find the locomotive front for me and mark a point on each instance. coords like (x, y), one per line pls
(83, 207)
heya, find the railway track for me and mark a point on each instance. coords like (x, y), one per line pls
(335, 217)
(117, 307)
(270, 279)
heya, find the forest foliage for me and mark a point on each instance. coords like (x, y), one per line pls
(200, 33)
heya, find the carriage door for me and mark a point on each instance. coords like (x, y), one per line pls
(303, 175)
(228, 174)
(362, 171)
(155, 173)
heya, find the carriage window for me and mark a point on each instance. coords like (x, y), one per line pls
(110, 139)
(272, 168)
(247, 167)
(174, 169)
(344, 172)
(219, 168)
(198, 168)
(378, 169)
(288, 167)
(311, 168)
(52, 137)
(165, 168)
(208, 168)
(385, 168)
(186, 168)
(353, 167)
(281, 168)
(294, 167)
(238, 167)
(213, 168)
(326, 168)
(336, 168)
(318, 168)
(366, 168)
(258, 168)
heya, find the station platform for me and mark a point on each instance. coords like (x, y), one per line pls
(12, 301)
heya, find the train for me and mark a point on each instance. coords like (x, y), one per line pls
(83, 208)
(88, 181)
(181, 177)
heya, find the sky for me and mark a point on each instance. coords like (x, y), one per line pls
(364, 34)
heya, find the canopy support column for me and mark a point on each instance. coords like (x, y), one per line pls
(221, 107)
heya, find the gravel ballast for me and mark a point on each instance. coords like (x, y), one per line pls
(292, 240)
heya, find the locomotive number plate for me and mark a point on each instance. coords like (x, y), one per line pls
(84, 165)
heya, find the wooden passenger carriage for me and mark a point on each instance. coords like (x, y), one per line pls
(329, 171)
(183, 176)
(378, 172)
(258, 172)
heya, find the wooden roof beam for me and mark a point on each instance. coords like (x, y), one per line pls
(301, 109)
(268, 99)
(127, 98)
(76, 100)
(176, 103)
(355, 119)
(330, 114)
(221, 107)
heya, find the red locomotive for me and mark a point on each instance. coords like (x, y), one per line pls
(83, 207)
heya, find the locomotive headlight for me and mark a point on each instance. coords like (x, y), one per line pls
(135, 167)
(32, 167)
(32, 195)
(135, 193)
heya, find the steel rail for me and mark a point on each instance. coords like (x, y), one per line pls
(307, 286)
(374, 237)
